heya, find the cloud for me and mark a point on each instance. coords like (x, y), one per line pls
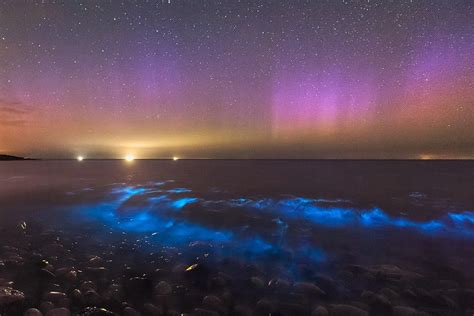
(13, 113)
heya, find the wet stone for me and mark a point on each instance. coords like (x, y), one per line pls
(308, 289)
(139, 287)
(152, 310)
(129, 311)
(241, 310)
(204, 312)
(257, 282)
(46, 307)
(95, 311)
(265, 307)
(54, 297)
(214, 303)
(347, 310)
(59, 312)
(91, 298)
(405, 311)
(33, 312)
(163, 288)
(9, 295)
(320, 311)
(279, 285)
(88, 285)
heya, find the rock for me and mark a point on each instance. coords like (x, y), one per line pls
(54, 297)
(308, 289)
(96, 272)
(241, 310)
(279, 285)
(214, 303)
(128, 311)
(204, 312)
(88, 285)
(388, 271)
(163, 288)
(347, 310)
(139, 287)
(46, 307)
(390, 294)
(9, 295)
(70, 276)
(59, 312)
(197, 274)
(257, 282)
(91, 298)
(380, 305)
(320, 311)
(152, 310)
(224, 276)
(346, 276)
(33, 312)
(76, 296)
(367, 296)
(265, 307)
(404, 311)
(96, 261)
(95, 311)
(46, 274)
(218, 282)
(291, 309)
(328, 285)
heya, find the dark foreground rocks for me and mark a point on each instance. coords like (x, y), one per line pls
(51, 273)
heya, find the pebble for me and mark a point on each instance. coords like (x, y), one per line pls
(265, 307)
(163, 288)
(95, 311)
(308, 289)
(407, 311)
(46, 307)
(320, 311)
(152, 310)
(257, 282)
(54, 297)
(204, 312)
(59, 312)
(9, 295)
(347, 310)
(33, 312)
(91, 298)
(279, 285)
(128, 311)
(214, 303)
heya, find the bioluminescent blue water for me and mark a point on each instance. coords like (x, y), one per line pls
(156, 217)
(299, 208)
(160, 215)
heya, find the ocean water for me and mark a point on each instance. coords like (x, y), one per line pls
(273, 219)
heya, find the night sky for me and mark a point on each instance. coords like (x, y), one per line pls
(237, 79)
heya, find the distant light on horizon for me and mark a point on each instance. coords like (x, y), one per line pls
(175, 158)
(129, 158)
(80, 158)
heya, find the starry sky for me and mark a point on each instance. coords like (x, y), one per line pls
(237, 79)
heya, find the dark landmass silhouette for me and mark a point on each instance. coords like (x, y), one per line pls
(9, 157)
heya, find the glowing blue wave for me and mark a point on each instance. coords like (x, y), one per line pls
(155, 218)
(160, 216)
(309, 210)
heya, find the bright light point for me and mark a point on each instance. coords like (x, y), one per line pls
(175, 158)
(129, 158)
(80, 158)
